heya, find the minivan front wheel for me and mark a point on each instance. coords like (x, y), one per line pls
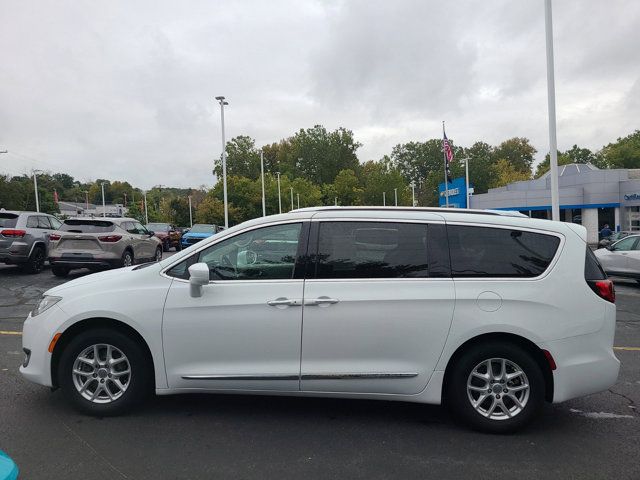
(104, 372)
(496, 387)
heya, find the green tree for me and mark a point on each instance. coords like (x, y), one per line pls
(624, 153)
(243, 159)
(481, 171)
(518, 152)
(506, 172)
(347, 188)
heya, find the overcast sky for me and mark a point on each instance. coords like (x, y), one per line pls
(124, 89)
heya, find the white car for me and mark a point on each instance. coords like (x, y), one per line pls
(622, 258)
(492, 313)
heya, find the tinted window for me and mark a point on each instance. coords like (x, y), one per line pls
(140, 229)
(8, 220)
(43, 222)
(499, 252)
(592, 268)
(159, 227)
(201, 228)
(87, 226)
(374, 250)
(267, 253)
(55, 223)
(32, 222)
(625, 244)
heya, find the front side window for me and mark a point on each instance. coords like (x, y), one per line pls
(43, 223)
(499, 252)
(267, 253)
(140, 229)
(55, 223)
(376, 250)
(625, 244)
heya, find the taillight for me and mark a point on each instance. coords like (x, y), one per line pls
(110, 238)
(10, 232)
(604, 289)
(54, 236)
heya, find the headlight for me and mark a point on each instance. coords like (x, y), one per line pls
(45, 303)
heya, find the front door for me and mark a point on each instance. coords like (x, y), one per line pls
(244, 332)
(378, 307)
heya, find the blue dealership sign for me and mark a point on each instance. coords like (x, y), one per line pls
(457, 193)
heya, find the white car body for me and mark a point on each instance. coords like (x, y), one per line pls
(621, 258)
(384, 338)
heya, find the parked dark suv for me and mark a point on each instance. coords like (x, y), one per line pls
(24, 238)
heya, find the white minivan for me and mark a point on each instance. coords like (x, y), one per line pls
(491, 313)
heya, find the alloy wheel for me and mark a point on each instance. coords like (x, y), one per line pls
(101, 373)
(498, 389)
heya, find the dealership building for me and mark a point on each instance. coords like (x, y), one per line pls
(588, 195)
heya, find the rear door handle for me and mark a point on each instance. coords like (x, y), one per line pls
(321, 301)
(284, 302)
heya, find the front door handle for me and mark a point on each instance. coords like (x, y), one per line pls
(284, 302)
(321, 301)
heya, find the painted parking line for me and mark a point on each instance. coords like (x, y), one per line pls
(9, 332)
(630, 349)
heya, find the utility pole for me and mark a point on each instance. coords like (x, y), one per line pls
(264, 206)
(104, 208)
(551, 99)
(190, 214)
(224, 162)
(35, 187)
(279, 197)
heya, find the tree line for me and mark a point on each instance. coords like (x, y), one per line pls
(316, 167)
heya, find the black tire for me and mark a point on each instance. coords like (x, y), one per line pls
(158, 255)
(36, 260)
(60, 271)
(127, 259)
(178, 246)
(457, 396)
(165, 246)
(138, 385)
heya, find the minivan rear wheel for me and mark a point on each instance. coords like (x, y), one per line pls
(495, 387)
(104, 372)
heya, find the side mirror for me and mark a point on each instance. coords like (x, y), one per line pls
(150, 233)
(610, 248)
(198, 276)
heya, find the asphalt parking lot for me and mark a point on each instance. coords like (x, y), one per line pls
(216, 436)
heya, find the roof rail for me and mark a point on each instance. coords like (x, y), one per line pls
(504, 213)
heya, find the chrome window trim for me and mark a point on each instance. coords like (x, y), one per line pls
(226, 237)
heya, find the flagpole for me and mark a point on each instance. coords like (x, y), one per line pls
(446, 180)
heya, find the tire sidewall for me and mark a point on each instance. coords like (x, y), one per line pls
(141, 372)
(36, 261)
(156, 255)
(127, 252)
(458, 400)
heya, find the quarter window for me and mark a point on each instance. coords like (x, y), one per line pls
(32, 222)
(378, 250)
(499, 252)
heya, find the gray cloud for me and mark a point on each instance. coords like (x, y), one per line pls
(125, 89)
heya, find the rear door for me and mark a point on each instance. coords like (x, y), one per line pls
(378, 304)
(633, 259)
(620, 258)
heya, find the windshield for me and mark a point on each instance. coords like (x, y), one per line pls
(87, 226)
(203, 229)
(159, 227)
(8, 220)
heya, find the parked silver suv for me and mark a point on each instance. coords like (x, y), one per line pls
(24, 238)
(101, 243)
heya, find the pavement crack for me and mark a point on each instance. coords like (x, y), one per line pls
(93, 450)
(632, 404)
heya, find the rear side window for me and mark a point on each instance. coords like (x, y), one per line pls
(377, 250)
(32, 222)
(592, 268)
(499, 252)
(87, 226)
(8, 220)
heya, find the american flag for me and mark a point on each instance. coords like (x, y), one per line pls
(448, 153)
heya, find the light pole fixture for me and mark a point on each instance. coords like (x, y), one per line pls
(222, 103)
(35, 188)
(279, 197)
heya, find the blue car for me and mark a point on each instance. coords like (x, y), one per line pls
(198, 232)
(8, 469)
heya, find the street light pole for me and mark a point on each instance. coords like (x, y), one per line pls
(298, 195)
(264, 206)
(279, 197)
(146, 210)
(466, 175)
(551, 98)
(291, 188)
(35, 187)
(413, 194)
(224, 162)
(384, 199)
(395, 194)
(104, 208)
(335, 201)
(86, 200)
(190, 214)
